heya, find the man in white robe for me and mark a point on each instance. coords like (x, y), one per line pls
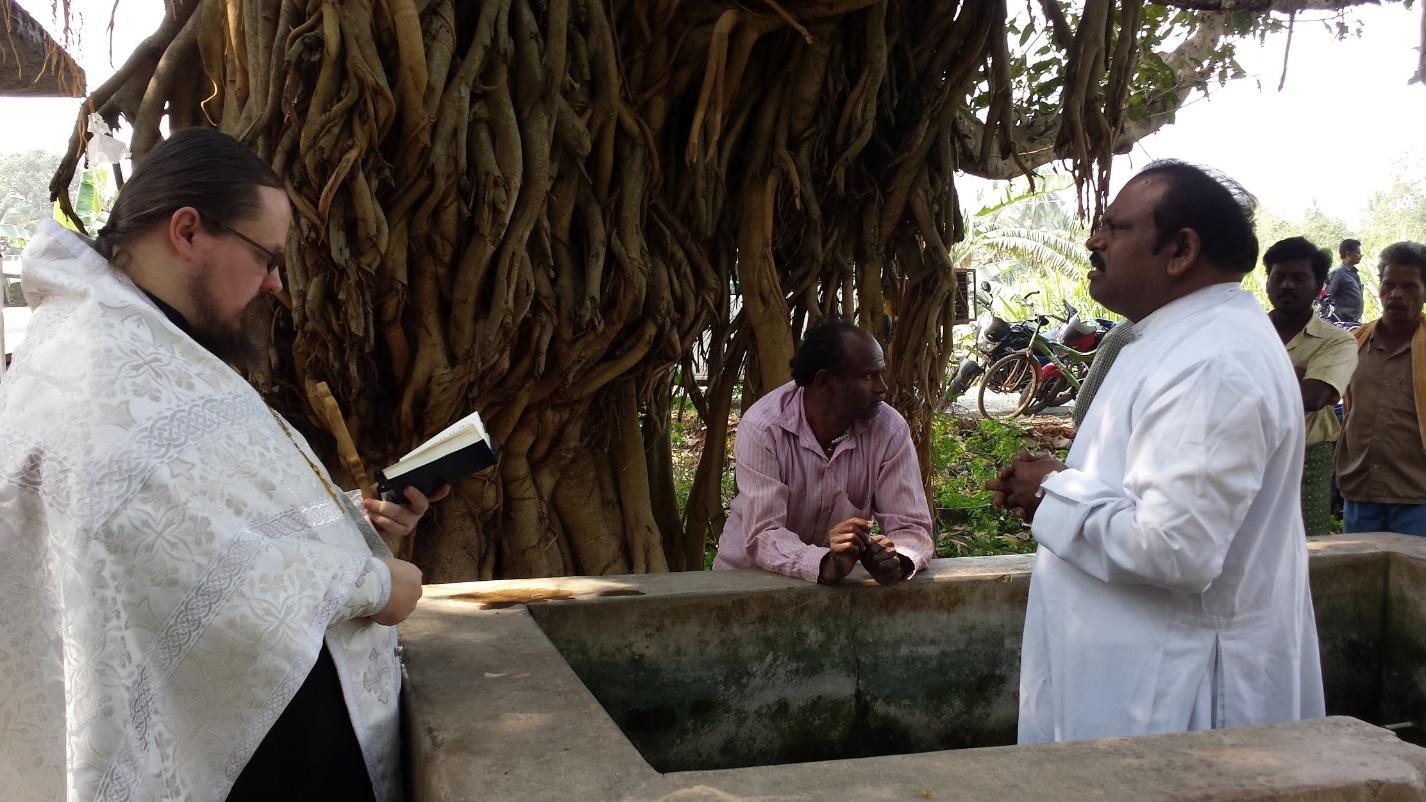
(176, 569)
(1170, 585)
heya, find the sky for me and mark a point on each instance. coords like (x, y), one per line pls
(1345, 123)
(45, 123)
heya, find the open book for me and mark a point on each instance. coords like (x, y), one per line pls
(460, 450)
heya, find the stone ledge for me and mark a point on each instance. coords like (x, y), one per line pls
(700, 583)
(494, 711)
(1326, 759)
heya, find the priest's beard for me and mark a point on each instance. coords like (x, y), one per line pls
(232, 341)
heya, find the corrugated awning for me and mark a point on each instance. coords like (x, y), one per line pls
(32, 63)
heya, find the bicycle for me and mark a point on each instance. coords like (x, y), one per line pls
(992, 339)
(1022, 372)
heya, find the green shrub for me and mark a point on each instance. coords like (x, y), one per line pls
(965, 454)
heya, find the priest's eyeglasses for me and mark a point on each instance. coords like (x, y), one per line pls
(275, 260)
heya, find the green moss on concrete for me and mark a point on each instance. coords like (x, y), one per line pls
(808, 673)
(1348, 593)
(799, 675)
(1404, 661)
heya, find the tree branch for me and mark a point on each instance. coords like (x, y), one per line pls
(1261, 6)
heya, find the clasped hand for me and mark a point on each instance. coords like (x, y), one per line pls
(1017, 485)
(851, 541)
(394, 522)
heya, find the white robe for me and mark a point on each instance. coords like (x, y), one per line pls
(1170, 586)
(170, 565)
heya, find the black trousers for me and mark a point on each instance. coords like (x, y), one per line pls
(311, 753)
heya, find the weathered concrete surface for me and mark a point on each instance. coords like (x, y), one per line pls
(1335, 759)
(1403, 658)
(787, 675)
(1348, 593)
(495, 711)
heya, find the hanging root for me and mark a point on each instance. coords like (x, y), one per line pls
(537, 208)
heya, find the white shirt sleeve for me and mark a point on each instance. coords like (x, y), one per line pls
(371, 594)
(1195, 460)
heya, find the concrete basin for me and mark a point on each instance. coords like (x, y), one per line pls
(745, 685)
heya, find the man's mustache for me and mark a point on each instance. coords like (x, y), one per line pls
(1096, 260)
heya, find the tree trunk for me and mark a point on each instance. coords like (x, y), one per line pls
(538, 208)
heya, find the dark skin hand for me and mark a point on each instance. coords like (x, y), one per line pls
(880, 559)
(1016, 484)
(851, 541)
(1315, 394)
(845, 543)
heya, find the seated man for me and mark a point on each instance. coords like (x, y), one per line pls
(817, 459)
(1323, 356)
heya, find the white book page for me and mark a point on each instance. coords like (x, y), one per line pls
(470, 424)
(429, 455)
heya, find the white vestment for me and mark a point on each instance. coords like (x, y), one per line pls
(1170, 586)
(170, 564)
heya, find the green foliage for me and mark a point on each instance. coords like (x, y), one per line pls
(1394, 214)
(13, 232)
(25, 186)
(1031, 242)
(687, 435)
(92, 199)
(24, 196)
(1037, 71)
(1321, 228)
(965, 454)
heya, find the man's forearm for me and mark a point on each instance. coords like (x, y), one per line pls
(782, 551)
(1316, 394)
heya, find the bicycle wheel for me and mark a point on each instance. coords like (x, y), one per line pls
(1017, 373)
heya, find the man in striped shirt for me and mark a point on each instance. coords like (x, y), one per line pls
(821, 460)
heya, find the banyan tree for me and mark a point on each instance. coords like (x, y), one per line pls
(555, 210)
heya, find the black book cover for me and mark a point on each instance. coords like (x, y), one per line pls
(446, 470)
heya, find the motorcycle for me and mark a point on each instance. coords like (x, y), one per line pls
(1328, 312)
(994, 338)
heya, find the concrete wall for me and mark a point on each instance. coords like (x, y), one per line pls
(1349, 595)
(709, 672)
(1403, 678)
(785, 675)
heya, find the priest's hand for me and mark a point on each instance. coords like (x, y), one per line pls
(405, 592)
(845, 543)
(1017, 485)
(395, 521)
(880, 559)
